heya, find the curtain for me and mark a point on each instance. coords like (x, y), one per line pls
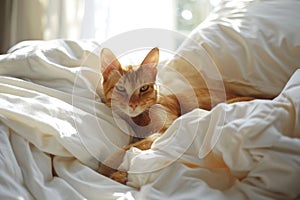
(39, 19)
(4, 21)
(63, 18)
(15, 23)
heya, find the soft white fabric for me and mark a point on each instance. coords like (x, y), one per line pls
(247, 150)
(252, 47)
(258, 141)
(48, 106)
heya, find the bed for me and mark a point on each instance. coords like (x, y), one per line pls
(54, 129)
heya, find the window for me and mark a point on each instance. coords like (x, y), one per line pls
(106, 18)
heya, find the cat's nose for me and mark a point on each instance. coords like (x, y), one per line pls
(133, 105)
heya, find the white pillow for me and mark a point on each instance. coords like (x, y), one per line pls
(253, 45)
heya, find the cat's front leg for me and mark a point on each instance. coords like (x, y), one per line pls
(145, 143)
(119, 176)
(112, 163)
(109, 167)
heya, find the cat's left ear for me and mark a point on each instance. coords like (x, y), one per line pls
(151, 60)
(109, 62)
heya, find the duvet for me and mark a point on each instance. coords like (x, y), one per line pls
(54, 129)
(51, 118)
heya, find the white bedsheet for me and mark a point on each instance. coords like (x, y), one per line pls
(48, 106)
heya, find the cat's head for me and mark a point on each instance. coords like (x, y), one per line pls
(129, 89)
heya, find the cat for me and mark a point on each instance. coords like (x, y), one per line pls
(133, 94)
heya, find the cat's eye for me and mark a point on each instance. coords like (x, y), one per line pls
(120, 88)
(144, 88)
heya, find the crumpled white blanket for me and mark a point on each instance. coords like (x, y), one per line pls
(48, 107)
(247, 150)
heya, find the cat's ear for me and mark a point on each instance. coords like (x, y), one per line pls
(109, 62)
(151, 60)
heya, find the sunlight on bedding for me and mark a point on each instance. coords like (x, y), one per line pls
(123, 196)
(54, 131)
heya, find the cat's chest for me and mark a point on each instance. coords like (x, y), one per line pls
(142, 120)
(157, 119)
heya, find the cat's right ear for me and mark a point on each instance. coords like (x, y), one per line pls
(109, 62)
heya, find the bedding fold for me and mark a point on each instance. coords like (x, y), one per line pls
(54, 131)
(256, 141)
(50, 110)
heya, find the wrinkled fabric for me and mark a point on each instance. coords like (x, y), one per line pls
(51, 118)
(56, 121)
(247, 150)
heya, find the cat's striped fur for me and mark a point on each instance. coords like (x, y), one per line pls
(132, 93)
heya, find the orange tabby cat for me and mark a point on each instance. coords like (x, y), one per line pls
(132, 93)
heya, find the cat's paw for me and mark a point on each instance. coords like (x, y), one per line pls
(119, 176)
